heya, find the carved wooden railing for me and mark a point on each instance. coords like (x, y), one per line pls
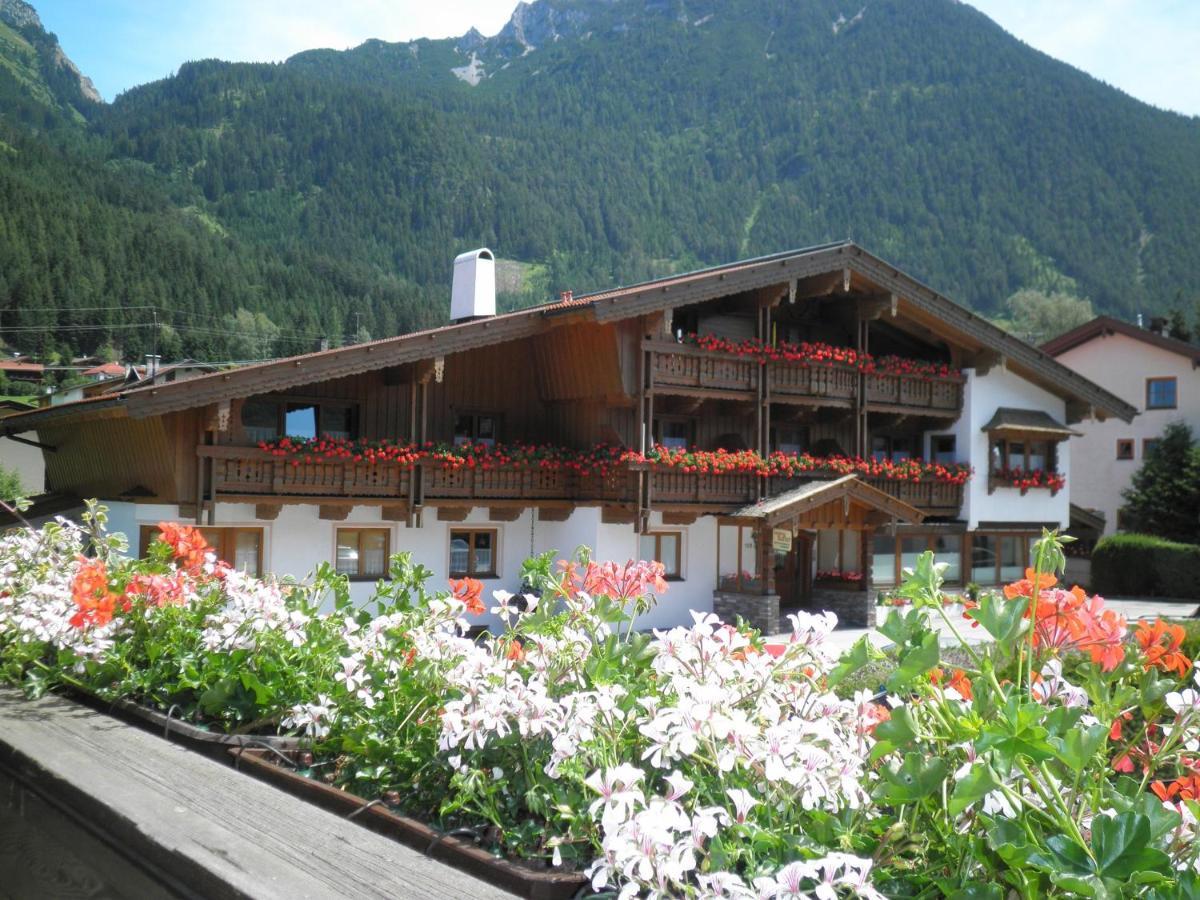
(685, 366)
(254, 472)
(251, 472)
(836, 383)
(929, 496)
(689, 369)
(943, 394)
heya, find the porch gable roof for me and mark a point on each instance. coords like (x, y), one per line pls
(815, 494)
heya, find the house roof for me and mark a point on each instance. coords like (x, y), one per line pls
(817, 493)
(1034, 422)
(16, 365)
(1102, 326)
(105, 369)
(845, 259)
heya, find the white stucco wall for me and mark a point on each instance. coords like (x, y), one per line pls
(984, 395)
(1122, 364)
(26, 461)
(298, 540)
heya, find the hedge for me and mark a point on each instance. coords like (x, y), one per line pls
(1143, 565)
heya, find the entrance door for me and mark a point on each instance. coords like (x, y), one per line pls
(793, 573)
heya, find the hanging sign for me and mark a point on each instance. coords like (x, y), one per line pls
(781, 539)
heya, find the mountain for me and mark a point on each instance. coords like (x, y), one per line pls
(593, 142)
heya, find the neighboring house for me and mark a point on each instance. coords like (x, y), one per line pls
(617, 369)
(27, 373)
(1150, 371)
(23, 456)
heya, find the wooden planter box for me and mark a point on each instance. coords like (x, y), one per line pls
(454, 850)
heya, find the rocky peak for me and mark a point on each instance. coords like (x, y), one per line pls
(19, 14)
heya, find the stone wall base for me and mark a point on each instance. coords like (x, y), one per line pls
(854, 609)
(758, 610)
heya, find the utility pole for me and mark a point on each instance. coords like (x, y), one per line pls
(154, 344)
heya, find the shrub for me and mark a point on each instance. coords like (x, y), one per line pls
(1144, 565)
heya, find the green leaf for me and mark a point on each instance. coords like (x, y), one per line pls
(1079, 746)
(916, 778)
(896, 733)
(978, 783)
(977, 890)
(861, 653)
(1121, 846)
(1001, 618)
(1015, 731)
(915, 662)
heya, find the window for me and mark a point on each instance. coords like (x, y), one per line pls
(1125, 448)
(362, 552)
(887, 566)
(1149, 445)
(242, 548)
(897, 449)
(675, 433)
(266, 418)
(473, 553)
(943, 448)
(883, 559)
(663, 547)
(791, 439)
(1020, 454)
(1122, 519)
(1161, 393)
(983, 559)
(260, 419)
(947, 548)
(1000, 558)
(476, 428)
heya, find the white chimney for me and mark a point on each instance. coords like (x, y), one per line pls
(474, 292)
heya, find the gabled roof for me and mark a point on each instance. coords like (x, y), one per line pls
(1102, 326)
(799, 500)
(624, 303)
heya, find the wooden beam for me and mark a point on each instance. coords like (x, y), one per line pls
(394, 513)
(453, 513)
(334, 512)
(268, 512)
(554, 513)
(505, 513)
(618, 515)
(679, 518)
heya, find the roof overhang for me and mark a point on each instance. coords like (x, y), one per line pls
(1028, 424)
(852, 491)
(953, 322)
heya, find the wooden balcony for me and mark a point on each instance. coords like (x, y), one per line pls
(248, 473)
(685, 369)
(691, 371)
(909, 393)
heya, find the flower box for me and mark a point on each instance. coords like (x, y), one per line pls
(454, 849)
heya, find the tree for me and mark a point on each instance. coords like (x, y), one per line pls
(251, 335)
(10, 485)
(1177, 325)
(1037, 316)
(1163, 498)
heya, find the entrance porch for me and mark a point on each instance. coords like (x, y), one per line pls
(806, 549)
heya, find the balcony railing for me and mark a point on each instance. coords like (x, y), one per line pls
(248, 472)
(684, 368)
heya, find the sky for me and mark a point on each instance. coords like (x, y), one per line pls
(1147, 48)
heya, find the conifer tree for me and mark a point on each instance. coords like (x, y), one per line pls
(1163, 498)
